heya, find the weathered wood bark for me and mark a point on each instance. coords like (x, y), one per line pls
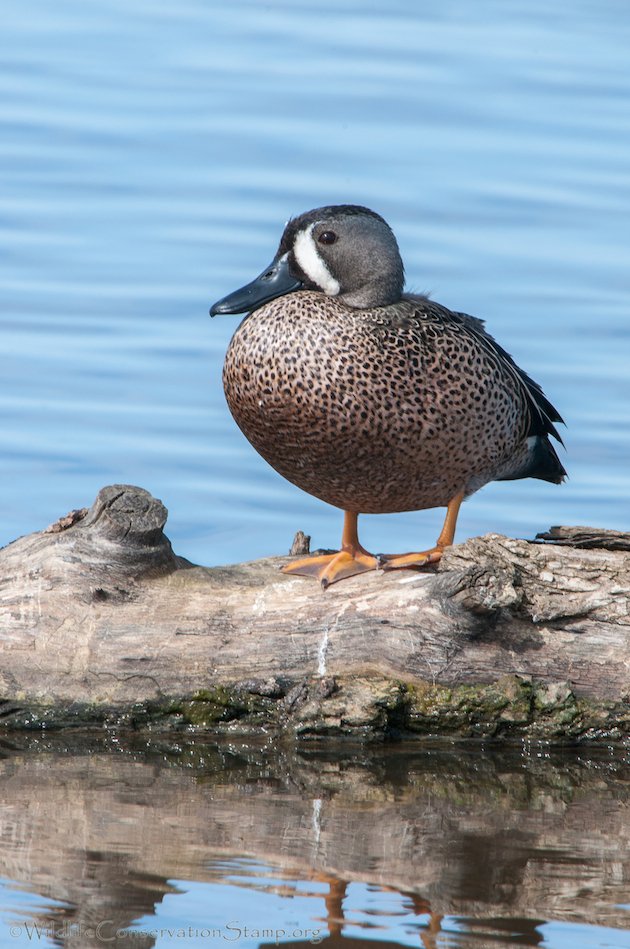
(100, 621)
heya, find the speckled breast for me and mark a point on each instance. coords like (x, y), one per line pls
(373, 411)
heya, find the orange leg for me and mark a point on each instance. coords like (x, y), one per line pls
(347, 562)
(429, 938)
(447, 535)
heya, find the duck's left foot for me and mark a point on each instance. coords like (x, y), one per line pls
(409, 561)
(434, 555)
(329, 568)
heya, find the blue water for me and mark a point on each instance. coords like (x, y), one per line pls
(149, 157)
(202, 915)
(150, 153)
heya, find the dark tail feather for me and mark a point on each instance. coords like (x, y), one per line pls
(542, 462)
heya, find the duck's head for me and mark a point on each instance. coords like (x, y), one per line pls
(343, 251)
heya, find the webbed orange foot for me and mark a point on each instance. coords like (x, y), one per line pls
(329, 568)
(347, 562)
(401, 561)
(434, 555)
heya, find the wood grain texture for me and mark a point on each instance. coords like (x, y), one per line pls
(99, 612)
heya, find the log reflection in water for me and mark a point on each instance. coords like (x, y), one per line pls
(455, 831)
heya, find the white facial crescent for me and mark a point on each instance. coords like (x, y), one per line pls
(306, 254)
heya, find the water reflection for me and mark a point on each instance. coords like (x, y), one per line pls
(403, 845)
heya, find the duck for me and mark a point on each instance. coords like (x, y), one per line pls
(370, 398)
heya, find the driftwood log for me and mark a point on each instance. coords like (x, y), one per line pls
(101, 623)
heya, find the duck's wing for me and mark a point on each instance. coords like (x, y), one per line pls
(542, 413)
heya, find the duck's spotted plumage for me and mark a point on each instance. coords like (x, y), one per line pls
(372, 400)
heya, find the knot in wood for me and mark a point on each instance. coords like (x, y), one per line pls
(127, 515)
(482, 589)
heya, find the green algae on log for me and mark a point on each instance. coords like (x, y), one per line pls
(101, 623)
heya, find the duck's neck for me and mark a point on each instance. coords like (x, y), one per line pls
(384, 290)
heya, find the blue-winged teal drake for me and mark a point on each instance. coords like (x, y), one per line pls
(373, 399)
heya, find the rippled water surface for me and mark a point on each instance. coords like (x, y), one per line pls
(201, 845)
(150, 155)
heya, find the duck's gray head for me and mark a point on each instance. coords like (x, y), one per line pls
(344, 251)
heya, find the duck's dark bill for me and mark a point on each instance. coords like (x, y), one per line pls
(274, 281)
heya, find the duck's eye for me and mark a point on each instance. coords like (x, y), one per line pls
(327, 237)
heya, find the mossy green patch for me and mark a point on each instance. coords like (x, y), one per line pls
(221, 704)
(363, 707)
(467, 710)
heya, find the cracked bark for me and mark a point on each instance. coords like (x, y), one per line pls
(506, 637)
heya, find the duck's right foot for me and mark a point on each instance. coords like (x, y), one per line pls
(330, 568)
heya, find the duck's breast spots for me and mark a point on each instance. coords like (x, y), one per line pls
(379, 410)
